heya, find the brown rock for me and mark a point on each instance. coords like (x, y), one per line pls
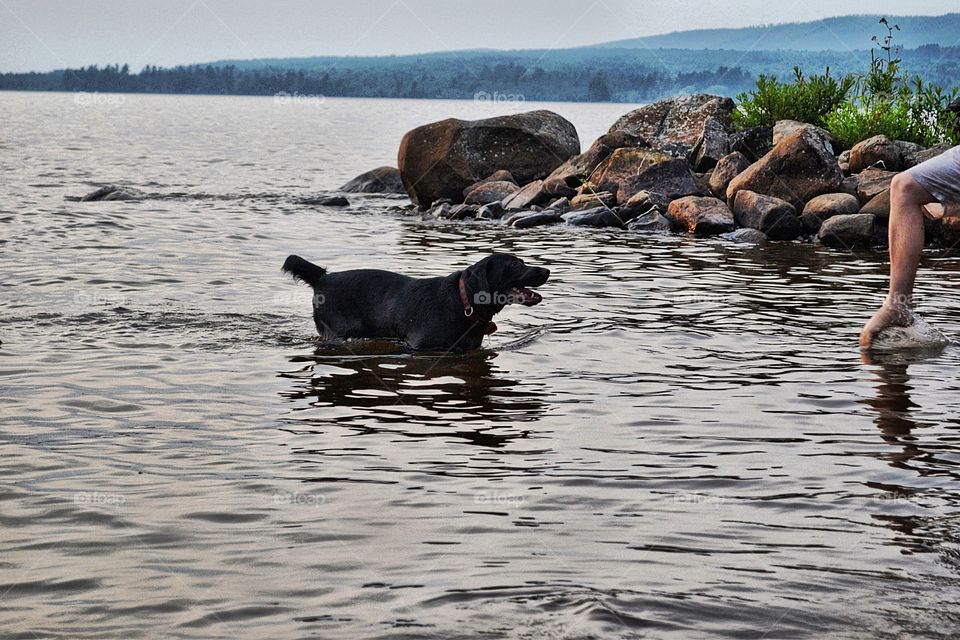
(530, 195)
(441, 159)
(848, 231)
(701, 215)
(872, 182)
(488, 192)
(878, 149)
(558, 187)
(729, 167)
(496, 176)
(879, 205)
(577, 169)
(826, 206)
(628, 171)
(776, 218)
(802, 166)
(678, 121)
(588, 199)
(785, 128)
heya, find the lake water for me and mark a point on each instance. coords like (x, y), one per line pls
(681, 441)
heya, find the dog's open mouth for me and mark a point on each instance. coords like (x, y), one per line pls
(524, 296)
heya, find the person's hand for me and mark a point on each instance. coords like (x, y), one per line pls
(889, 315)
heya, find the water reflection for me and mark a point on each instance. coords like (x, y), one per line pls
(375, 387)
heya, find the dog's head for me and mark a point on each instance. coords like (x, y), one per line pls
(502, 279)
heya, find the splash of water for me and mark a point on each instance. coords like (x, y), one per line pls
(918, 334)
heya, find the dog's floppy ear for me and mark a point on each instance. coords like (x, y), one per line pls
(477, 280)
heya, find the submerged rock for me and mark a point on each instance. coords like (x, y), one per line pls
(596, 217)
(533, 219)
(379, 180)
(113, 192)
(325, 201)
(751, 236)
(441, 159)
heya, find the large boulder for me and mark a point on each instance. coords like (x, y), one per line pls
(776, 218)
(682, 123)
(441, 159)
(873, 151)
(379, 180)
(849, 231)
(800, 167)
(825, 207)
(701, 215)
(729, 167)
(577, 169)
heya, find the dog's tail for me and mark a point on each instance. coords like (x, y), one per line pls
(303, 270)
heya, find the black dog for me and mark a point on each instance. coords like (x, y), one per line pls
(451, 312)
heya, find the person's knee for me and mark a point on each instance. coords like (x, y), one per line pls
(905, 190)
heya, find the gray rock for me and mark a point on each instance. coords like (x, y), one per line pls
(493, 191)
(826, 206)
(596, 217)
(651, 221)
(535, 219)
(747, 235)
(776, 218)
(754, 143)
(492, 211)
(379, 180)
(728, 168)
(113, 192)
(848, 231)
(325, 201)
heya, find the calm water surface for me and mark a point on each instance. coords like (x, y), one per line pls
(681, 441)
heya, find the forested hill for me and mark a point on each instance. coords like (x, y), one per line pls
(602, 73)
(838, 34)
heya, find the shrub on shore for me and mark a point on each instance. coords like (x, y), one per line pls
(853, 108)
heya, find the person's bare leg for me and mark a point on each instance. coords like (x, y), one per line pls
(907, 198)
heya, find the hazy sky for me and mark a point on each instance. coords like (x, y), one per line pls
(47, 34)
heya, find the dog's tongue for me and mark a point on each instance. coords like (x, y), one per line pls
(528, 297)
(490, 328)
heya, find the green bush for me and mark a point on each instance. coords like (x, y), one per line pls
(853, 108)
(805, 99)
(888, 102)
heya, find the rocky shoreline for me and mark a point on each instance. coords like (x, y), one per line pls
(674, 166)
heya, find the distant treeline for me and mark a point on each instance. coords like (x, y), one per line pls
(587, 74)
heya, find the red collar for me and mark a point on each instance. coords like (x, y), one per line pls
(468, 310)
